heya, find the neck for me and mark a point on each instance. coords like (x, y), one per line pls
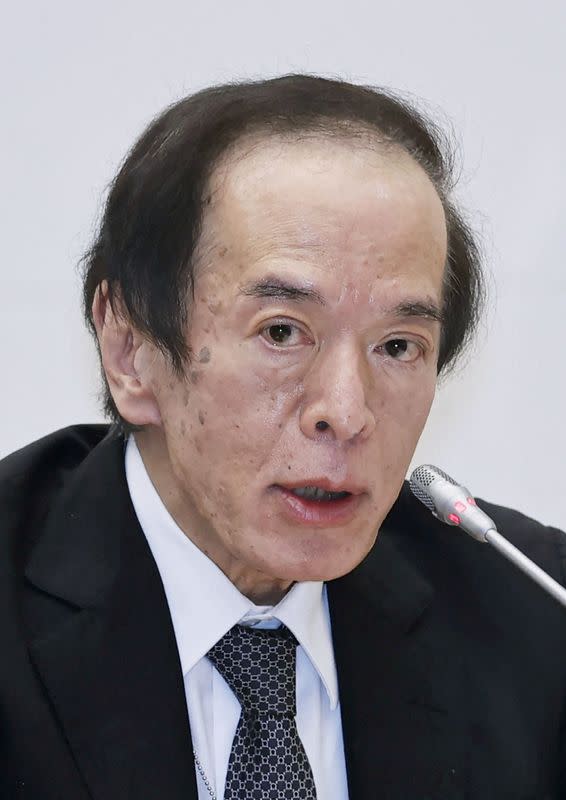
(265, 593)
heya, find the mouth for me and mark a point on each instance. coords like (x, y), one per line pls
(319, 503)
(318, 494)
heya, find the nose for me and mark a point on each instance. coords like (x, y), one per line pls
(336, 393)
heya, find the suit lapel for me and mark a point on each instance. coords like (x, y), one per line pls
(396, 681)
(102, 640)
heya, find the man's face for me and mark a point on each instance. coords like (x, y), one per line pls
(319, 271)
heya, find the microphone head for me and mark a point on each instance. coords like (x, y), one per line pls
(421, 479)
(450, 502)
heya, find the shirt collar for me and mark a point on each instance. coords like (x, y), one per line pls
(204, 604)
(304, 610)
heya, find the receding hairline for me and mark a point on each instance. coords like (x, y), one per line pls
(359, 136)
(342, 132)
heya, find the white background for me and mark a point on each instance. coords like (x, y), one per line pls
(80, 81)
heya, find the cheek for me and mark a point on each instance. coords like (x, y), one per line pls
(403, 412)
(417, 404)
(407, 395)
(224, 418)
(249, 389)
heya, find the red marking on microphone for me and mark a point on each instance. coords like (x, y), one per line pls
(459, 506)
(471, 501)
(454, 518)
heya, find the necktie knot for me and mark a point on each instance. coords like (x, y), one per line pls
(259, 667)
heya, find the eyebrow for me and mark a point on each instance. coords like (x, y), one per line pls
(278, 288)
(275, 287)
(419, 309)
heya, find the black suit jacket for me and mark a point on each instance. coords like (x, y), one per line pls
(451, 664)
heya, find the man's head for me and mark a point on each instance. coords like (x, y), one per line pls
(278, 279)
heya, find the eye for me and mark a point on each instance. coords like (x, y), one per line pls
(283, 334)
(402, 350)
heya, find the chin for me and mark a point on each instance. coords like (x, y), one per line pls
(322, 566)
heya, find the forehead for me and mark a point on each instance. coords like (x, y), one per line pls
(350, 208)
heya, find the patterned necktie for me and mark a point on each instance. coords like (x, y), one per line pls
(267, 760)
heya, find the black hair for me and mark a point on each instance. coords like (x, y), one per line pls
(149, 231)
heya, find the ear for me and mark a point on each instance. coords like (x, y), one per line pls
(127, 359)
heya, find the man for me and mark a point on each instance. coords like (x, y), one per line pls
(230, 592)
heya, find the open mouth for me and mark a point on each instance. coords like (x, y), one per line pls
(315, 493)
(314, 505)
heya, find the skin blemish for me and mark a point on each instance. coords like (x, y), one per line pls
(201, 417)
(194, 375)
(183, 428)
(204, 355)
(214, 307)
(222, 251)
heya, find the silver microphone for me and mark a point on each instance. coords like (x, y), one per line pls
(450, 502)
(455, 505)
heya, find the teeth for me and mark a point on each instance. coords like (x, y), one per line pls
(314, 493)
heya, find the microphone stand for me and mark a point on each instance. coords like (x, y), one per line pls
(495, 539)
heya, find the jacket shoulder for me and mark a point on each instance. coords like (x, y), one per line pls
(544, 544)
(66, 444)
(30, 478)
(419, 531)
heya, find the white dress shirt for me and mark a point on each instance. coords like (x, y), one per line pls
(204, 605)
